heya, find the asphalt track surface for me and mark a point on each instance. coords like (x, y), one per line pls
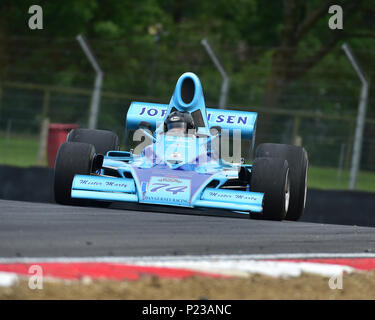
(50, 230)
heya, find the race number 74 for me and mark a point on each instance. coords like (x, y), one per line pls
(166, 186)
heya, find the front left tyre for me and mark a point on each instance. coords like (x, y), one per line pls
(271, 177)
(298, 165)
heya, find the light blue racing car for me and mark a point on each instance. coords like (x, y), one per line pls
(179, 161)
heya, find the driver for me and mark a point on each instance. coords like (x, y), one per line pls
(178, 123)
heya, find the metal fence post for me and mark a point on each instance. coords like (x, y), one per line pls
(46, 99)
(95, 100)
(296, 125)
(225, 83)
(155, 58)
(43, 141)
(349, 143)
(361, 116)
(44, 128)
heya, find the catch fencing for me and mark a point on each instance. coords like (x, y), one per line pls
(318, 111)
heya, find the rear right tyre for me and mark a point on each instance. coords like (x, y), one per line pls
(102, 140)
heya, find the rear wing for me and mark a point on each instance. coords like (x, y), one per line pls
(188, 97)
(155, 114)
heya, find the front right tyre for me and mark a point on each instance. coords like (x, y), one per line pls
(72, 158)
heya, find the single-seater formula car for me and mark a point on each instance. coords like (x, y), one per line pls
(179, 161)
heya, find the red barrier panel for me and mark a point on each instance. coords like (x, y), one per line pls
(57, 133)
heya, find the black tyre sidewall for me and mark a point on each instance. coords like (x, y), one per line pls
(72, 158)
(269, 176)
(298, 165)
(102, 140)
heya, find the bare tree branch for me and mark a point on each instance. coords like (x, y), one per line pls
(304, 66)
(290, 23)
(361, 35)
(309, 22)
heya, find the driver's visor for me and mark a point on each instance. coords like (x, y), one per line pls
(177, 125)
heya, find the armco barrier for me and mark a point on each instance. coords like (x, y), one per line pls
(322, 206)
(26, 184)
(340, 207)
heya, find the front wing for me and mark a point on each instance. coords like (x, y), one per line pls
(106, 188)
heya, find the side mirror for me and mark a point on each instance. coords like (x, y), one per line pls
(145, 125)
(97, 162)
